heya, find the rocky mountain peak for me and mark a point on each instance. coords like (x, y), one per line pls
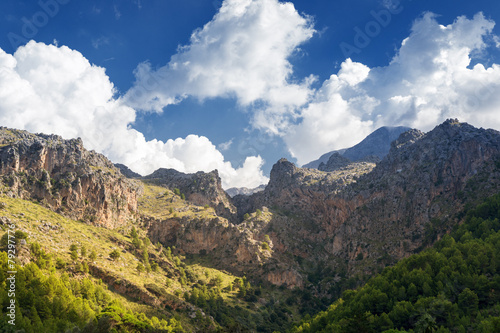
(361, 215)
(282, 175)
(283, 168)
(407, 138)
(125, 170)
(65, 177)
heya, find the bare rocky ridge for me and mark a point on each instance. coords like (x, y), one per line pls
(354, 221)
(66, 177)
(126, 171)
(199, 188)
(335, 162)
(411, 198)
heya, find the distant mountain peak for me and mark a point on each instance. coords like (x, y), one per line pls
(377, 144)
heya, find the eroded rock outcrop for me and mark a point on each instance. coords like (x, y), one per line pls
(239, 248)
(66, 177)
(412, 197)
(353, 219)
(335, 162)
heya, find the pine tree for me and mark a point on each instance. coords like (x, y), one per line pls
(115, 254)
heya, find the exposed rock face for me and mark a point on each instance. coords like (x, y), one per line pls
(353, 219)
(355, 223)
(66, 177)
(372, 149)
(411, 197)
(299, 189)
(238, 249)
(199, 188)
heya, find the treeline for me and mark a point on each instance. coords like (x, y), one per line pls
(49, 301)
(452, 287)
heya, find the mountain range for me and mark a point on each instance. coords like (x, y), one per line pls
(311, 232)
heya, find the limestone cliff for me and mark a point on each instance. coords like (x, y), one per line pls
(67, 178)
(356, 220)
(240, 249)
(413, 196)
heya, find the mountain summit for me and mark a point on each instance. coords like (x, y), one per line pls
(377, 144)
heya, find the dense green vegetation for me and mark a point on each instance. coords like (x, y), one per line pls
(452, 287)
(79, 278)
(50, 301)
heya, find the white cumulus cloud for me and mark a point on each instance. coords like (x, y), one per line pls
(242, 52)
(428, 80)
(50, 89)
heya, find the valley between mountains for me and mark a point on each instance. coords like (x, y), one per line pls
(100, 248)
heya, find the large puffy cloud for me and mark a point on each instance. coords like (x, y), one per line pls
(242, 52)
(428, 80)
(44, 88)
(336, 117)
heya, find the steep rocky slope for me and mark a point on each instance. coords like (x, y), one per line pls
(413, 195)
(126, 171)
(66, 177)
(335, 162)
(190, 229)
(306, 223)
(354, 221)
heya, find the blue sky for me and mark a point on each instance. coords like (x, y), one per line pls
(237, 84)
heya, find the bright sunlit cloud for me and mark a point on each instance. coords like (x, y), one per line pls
(245, 53)
(50, 89)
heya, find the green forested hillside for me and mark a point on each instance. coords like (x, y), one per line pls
(452, 287)
(48, 301)
(75, 277)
